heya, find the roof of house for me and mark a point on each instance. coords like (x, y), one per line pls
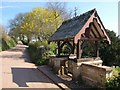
(72, 27)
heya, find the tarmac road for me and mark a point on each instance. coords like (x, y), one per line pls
(18, 72)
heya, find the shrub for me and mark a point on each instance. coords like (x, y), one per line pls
(7, 43)
(11, 42)
(5, 46)
(42, 61)
(114, 82)
(41, 53)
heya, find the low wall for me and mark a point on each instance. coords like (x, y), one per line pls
(75, 68)
(58, 64)
(91, 71)
(93, 75)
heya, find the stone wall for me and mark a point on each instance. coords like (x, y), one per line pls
(75, 68)
(58, 64)
(91, 71)
(93, 75)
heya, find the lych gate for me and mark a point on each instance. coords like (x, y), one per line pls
(74, 32)
(77, 33)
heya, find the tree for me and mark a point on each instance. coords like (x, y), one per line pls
(15, 27)
(59, 9)
(40, 23)
(5, 41)
(3, 33)
(110, 54)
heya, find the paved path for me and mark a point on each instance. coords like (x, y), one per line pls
(18, 72)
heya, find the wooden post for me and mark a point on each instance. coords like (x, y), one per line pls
(73, 48)
(96, 49)
(79, 49)
(59, 48)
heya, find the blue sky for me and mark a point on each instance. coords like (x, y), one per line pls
(108, 11)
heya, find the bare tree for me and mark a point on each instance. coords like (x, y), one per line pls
(61, 8)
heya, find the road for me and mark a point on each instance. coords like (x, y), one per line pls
(18, 72)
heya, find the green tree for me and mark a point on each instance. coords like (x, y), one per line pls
(15, 27)
(5, 41)
(40, 23)
(110, 54)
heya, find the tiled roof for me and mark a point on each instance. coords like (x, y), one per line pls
(71, 27)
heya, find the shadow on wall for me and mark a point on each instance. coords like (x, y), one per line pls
(22, 76)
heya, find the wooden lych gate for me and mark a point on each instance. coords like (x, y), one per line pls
(74, 32)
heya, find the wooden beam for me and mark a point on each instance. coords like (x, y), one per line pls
(96, 49)
(98, 27)
(64, 39)
(91, 39)
(78, 35)
(73, 48)
(79, 49)
(95, 30)
(95, 36)
(59, 48)
(92, 34)
(103, 28)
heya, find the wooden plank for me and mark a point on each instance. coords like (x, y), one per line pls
(95, 30)
(63, 39)
(98, 27)
(90, 39)
(78, 35)
(92, 34)
(92, 30)
(103, 28)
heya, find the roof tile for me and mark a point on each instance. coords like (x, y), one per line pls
(71, 27)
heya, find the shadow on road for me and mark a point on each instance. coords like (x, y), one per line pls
(22, 76)
(18, 53)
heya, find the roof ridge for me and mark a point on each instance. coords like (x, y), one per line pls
(74, 18)
(71, 27)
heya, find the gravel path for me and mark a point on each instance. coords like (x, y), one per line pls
(18, 72)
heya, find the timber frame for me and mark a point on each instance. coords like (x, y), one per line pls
(91, 29)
